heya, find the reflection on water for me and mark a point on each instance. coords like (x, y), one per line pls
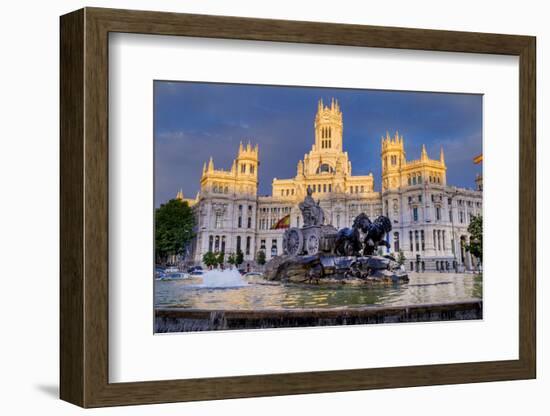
(423, 288)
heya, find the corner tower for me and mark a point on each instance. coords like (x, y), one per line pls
(242, 178)
(246, 167)
(393, 160)
(328, 127)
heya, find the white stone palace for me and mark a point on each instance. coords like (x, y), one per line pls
(429, 217)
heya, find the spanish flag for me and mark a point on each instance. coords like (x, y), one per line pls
(282, 223)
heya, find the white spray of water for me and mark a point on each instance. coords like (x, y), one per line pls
(223, 278)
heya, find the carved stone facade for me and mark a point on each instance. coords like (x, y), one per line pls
(429, 217)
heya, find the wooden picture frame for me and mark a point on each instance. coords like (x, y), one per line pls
(84, 207)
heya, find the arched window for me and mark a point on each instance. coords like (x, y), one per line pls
(396, 242)
(238, 243)
(210, 243)
(330, 132)
(325, 168)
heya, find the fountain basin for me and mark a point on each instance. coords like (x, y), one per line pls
(185, 320)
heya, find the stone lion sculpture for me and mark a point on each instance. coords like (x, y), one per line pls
(364, 237)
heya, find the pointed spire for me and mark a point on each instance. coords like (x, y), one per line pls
(179, 195)
(240, 147)
(211, 164)
(424, 155)
(441, 156)
(204, 168)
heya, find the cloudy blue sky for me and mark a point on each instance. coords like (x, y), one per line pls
(193, 121)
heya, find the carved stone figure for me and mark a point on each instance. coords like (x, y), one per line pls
(314, 238)
(312, 213)
(318, 253)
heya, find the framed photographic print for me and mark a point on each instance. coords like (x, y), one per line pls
(256, 207)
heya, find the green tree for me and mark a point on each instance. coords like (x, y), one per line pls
(476, 237)
(174, 224)
(401, 258)
(220, 258)
(239, 258)
(210, 259)
(260, 257)
(231, 259)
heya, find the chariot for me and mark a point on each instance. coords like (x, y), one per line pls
(310, 240)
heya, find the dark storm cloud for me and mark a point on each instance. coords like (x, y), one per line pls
(194, 121)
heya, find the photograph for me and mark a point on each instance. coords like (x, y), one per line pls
(289, 206)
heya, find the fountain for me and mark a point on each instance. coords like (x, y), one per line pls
(319, 253)
(223, 279)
